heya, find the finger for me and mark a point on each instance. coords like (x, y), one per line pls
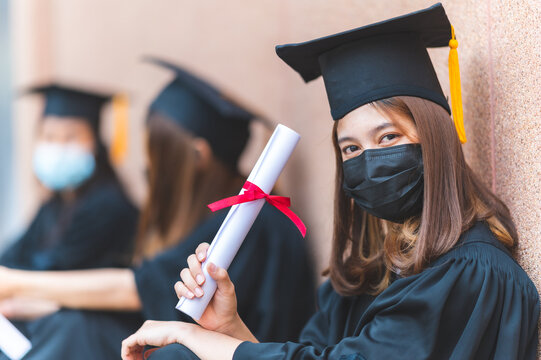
(131, 350)
(201, 251)
(183, 291)
(195, 269)
(222, 279)
(190, 283)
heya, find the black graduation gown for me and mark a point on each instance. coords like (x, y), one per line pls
(272, 273)
(101, 230)
(96, 230)
(475, 302)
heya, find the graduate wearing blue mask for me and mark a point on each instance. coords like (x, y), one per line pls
(88, 221)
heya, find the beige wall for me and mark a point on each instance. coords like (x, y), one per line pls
(232, 43)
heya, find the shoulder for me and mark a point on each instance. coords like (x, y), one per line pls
(480, 259)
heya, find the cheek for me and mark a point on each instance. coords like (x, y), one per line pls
(90, 147)
(86, 141)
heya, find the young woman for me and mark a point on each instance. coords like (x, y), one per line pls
(88, 222)
(421, 266)
(195, 138)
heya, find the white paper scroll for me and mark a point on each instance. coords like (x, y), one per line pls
(240, 218)
(12, 343)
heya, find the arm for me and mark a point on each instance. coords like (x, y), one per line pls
(197, 339)
(102, 289)
(27, 309)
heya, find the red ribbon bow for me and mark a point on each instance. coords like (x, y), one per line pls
(253, 192)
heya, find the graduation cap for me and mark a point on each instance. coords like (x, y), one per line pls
(64, 101)
(205, 111)
(381, 60)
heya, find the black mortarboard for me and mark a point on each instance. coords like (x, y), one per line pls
(64, 101)
(204, 111)
(377, 61)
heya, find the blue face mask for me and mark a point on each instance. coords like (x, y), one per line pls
(61, 167)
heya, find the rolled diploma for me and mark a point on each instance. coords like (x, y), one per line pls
(241, 217)
(12, 343)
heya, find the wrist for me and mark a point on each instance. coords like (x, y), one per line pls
(9, 282)
(231, 328)
(184, 332)
(19, 282)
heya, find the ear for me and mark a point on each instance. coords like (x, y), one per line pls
(204, 152)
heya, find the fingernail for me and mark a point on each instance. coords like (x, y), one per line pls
(199, 278)
(198, 292)
(200, 256)
(211, 267)
(190, 295)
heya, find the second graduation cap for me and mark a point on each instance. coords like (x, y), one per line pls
(378, 61)
(205, 111)
(63, 101)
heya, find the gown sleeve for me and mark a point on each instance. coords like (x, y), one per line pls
(477, 304)
(315, 333)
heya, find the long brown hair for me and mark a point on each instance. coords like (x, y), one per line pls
(366, 249)
(179, 188)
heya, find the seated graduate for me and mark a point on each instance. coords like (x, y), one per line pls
(87, 221)
(195, 138)
(421, 264)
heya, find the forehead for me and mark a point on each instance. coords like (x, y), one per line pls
(61, 121)
(66, 124)
(364, 118)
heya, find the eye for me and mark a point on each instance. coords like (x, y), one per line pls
(388, 138)
(349, 149)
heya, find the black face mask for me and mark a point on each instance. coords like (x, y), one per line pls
(387, 182)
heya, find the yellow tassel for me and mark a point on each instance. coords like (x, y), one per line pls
(119, 143)
(454, 81)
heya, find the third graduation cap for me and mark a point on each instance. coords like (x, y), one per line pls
(381, 60)
(205, 111)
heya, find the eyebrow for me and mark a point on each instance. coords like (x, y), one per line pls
(380, 127)
(346, 138)
(373, 132)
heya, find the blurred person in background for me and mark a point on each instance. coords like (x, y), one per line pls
(422, 263)
(195, 136)
(87, 221)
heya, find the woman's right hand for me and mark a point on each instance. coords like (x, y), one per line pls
(221, 313)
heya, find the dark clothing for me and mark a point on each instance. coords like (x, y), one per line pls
(272, 274)
(96, 230)
(74, 334)
(475, 302)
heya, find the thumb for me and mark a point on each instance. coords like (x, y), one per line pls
(222, 279)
